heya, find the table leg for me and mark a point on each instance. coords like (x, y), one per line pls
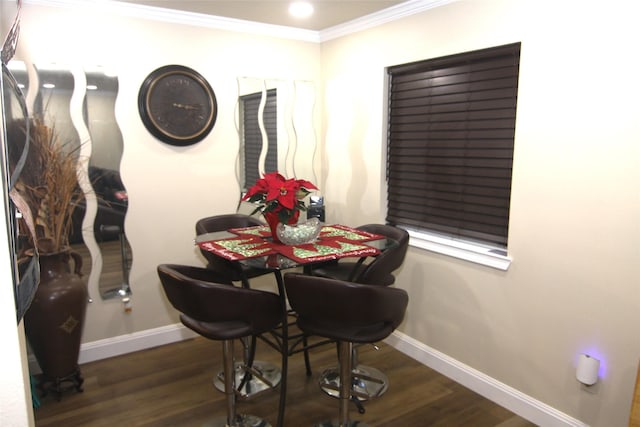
(284, 350)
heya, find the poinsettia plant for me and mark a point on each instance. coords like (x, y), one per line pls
(279, 195)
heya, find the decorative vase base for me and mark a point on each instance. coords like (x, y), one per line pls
(61, 385)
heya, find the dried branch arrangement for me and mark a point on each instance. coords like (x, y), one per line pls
(48, 183)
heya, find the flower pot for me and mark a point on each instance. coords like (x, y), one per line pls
(55, 319)
(273, 220)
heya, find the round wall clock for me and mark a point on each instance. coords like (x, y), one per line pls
(177, 105)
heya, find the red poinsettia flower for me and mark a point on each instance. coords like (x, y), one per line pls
(275, 193)
(281, 190)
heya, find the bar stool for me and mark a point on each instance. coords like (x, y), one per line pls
(348, 313)
(368, 381)
(269, 375)
(219, 311)
(380, 270)
(229, 269)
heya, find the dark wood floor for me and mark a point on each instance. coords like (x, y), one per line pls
(172, 386)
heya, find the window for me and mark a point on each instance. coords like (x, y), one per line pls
(451, 130)
(252, 137)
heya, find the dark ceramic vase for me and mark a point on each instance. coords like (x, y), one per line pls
(55, 319)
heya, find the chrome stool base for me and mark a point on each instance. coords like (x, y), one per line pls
(241, 421)
(337, 424)
(261, 377)
(366, 382)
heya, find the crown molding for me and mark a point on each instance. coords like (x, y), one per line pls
(131, 10)
(389, 14)
(181, 17)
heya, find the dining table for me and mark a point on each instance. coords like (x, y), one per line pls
(255, 248)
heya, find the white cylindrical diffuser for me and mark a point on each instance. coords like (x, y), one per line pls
(587, 371)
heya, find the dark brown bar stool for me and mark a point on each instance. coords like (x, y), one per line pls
(368, 382)
(348, 313)
(377, 272)
(232, 271)
(248, 385)
(219, 311)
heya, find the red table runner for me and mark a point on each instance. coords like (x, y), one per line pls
(334, 241)
(259, 230)
(324, 250)
(238, 248)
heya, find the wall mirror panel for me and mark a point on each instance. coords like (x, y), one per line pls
(104, 176)
(276, 129)
(80, 105)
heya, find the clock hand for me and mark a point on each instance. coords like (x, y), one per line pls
(186, 106)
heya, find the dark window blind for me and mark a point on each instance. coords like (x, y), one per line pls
(450, 136)
(252, 137)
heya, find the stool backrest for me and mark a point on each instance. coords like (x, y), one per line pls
(345, 310)
(222, 223)
(388, 261)
(200, 294)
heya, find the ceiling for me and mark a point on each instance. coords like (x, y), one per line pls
(327, 13)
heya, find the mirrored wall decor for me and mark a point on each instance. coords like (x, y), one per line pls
(104, 176)
(80, 105)
(275, 122)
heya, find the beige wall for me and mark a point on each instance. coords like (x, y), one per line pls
(572, 286)
(574, 234)
(169, 188)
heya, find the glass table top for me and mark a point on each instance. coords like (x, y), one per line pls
(279, 261)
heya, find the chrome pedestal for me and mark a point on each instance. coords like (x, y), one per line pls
(337, 424)
(250, 381)
(252, 377)
(233, 419)
(366, 382)
(345, 394)
(241, 421)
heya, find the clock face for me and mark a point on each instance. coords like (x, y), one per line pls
(177, 105)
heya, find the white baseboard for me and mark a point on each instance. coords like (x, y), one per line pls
(123, 344)
(517, 402)
(137, 341)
